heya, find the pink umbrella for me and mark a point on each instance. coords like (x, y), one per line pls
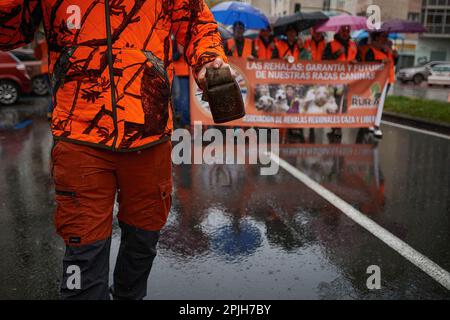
(336, 22)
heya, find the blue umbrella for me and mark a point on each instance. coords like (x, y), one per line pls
(361, 34)
(232, 242)
(396, 36)
(231, 11)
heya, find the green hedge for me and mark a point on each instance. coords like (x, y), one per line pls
(425, 109)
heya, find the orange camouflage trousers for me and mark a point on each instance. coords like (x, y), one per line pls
(87, 180)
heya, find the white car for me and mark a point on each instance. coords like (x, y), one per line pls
(440, 75)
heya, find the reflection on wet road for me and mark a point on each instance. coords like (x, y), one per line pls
(233, 233)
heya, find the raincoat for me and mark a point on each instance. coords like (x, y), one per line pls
(111, 62)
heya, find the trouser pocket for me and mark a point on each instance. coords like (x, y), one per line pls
(165, 191)
(85, 188)
(70, 220)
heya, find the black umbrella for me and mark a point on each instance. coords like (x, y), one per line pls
(301, 21)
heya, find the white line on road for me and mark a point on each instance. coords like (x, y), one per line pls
(419, 260)
(401, 126)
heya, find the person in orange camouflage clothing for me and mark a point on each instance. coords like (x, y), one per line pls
(110, 68)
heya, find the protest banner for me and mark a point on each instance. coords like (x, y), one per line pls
(303, 95)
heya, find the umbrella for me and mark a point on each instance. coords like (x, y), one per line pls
(300, 20)
(362, 34)
(233, 242)
(396, 36)
(336, 22)
(403, 26)
(231, 11)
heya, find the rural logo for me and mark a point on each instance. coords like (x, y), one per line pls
(359, 102)
(241, 80)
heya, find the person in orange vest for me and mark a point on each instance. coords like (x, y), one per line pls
(292, 49)
(381, 51)
(342, 48)
(394, 59)
(41, 53)
(239, 46)
(363, 45)
(316, 45)
(180, 87)
(264, 45)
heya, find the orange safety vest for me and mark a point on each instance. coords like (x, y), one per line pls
(315, 48)
(181, 68)
(263, 52)
(392, 70)
(352, 50)
(246, 51)
(41, 53)
(380, 56)
(285, 51)
(362, 50)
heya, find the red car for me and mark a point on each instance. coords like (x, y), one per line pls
(14, 79)
(33, 65)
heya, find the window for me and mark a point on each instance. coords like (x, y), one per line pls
(441, 68)
(414, 16)
(24, 56)
(436, 20)
(438, 56)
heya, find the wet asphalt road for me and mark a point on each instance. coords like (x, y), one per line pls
(234, 234)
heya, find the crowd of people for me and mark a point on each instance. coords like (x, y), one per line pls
(293, 48)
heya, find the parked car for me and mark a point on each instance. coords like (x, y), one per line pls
(40, 85)
(418, 74)
(14, 79)
(440, 75)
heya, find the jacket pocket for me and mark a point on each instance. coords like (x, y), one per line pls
(156, 95)
(144, 93)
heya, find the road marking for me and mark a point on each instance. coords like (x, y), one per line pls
(419, 260)
(401, 126)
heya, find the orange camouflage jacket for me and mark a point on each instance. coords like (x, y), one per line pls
(110, 62)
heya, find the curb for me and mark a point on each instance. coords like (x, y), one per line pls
(434, 126)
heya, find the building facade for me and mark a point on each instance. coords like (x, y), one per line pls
(435, 44)
(287, 7)
(264, 5)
